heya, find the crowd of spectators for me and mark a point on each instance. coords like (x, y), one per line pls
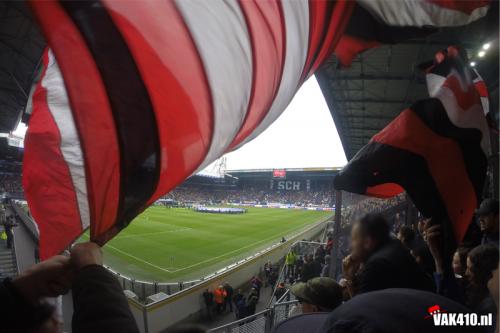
(378, 256)
(352, 212)
(387, 283)
(255, 195)
(387, 276)
(10, 183)
(242, 303)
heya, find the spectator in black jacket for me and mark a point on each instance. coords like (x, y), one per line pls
(9, 224)
(229, 297)
(488, 221)
(208, 299)
(309, 268)
(280, 291)
(238, 296)
(385, 262)
(98, 300)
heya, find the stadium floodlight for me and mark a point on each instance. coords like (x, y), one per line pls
(486, 46)
(481, 54)
(472, 64)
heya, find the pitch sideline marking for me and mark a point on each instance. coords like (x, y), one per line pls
(138, 259)
(175, 270)
(244, 247)
(141, 260)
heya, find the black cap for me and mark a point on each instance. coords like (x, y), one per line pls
(487, 207)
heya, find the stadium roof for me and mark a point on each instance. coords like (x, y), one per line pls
(21, 46)
(382, 82)
(285, 169)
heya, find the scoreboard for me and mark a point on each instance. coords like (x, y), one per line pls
(279, 173)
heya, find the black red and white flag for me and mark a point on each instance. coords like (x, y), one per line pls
(436, 150)
(373, 23)
(138, 95)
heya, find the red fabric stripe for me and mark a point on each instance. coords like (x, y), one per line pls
(90, 110)
(318, 18)
(481, 88)
(348, 47)
(464, 6)
(175, 78)
(465, 99)
(47, 182)
(445, 161)
(267, 34)
(333, 34)
(384, 191)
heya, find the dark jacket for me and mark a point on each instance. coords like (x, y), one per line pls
(230, 292)
(17, 314)
(208, 298)
(392, 266)
(394, 311)
(99, 305)
(237, 297)
(308, 271)
(241, 308)
(490, 239)
(280, 291)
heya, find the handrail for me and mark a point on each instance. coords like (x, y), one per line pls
(243, 320)
(28, 222)
(295, 301)
(323, 238)
(280, 300)
(281, 277)
(282, 272)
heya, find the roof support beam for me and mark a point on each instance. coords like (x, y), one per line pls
(378, 76)
(371, 100)
(367, 116)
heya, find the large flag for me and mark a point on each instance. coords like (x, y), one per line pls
(144, 93)
(436, 150)
(373, 23)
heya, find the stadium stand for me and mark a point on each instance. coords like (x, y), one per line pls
(381, 252)
(299, 187)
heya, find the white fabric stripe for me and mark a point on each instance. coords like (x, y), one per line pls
(58, 105)
(221, 37)
(297, 43)
(485, 102)
(434, 83)
(470, 118)
(419, 13)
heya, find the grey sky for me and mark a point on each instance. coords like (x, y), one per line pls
(304, 136)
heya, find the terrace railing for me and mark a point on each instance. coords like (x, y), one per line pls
(263, 321)
(301, 248)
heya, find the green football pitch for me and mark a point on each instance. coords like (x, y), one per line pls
(176, 244)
